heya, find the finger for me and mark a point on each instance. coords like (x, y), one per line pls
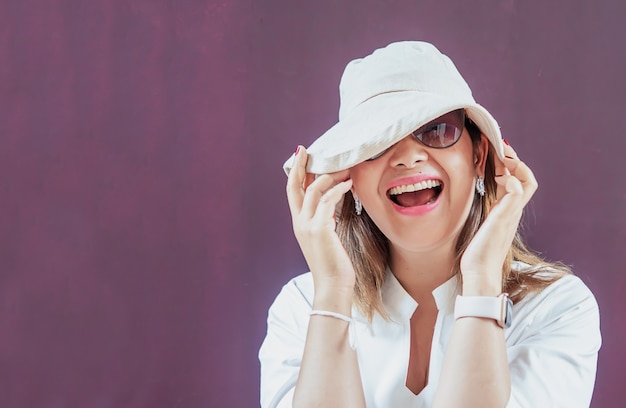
(510, 159)
(515, 166)
(511, 185)
(509, 151)
(308, 179)
(295, 181)
(314, 193)
(500, 170)
(511, 205)
(326, 208)
(499, 167)
(340, 175)
(519, 169)
(337, 176)
(522, 172)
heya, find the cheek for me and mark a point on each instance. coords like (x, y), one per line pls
(364, 179)
(461, 172)
(462, 166)
(462, 186)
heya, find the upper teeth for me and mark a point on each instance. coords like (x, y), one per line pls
(408, 188)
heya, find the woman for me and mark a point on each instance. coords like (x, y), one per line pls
(421, 293)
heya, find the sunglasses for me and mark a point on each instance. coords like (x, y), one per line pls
(442, 132)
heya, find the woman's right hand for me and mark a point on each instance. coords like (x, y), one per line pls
(312, 202)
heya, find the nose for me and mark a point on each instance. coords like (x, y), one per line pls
(408, 152)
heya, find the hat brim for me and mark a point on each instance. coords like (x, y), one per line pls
(384, 120)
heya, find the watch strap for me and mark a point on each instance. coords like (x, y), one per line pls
(489, 307)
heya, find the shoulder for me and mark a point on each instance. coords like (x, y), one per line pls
(565, 307)
(294, 301)
(563, 294)
(280, 353)
(554, 339)
(299, 289)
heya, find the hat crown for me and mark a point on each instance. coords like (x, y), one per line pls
(386, 96)
(402, 66)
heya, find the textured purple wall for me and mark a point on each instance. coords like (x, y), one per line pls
(143, 225)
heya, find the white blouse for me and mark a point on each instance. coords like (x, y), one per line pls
(552, 345)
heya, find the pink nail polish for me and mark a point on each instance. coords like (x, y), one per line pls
(297, 150)
(505, 142)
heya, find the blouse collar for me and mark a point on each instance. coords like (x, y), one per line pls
(400, 305)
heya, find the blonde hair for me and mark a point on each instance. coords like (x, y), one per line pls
(368, 248)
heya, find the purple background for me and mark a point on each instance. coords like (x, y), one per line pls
(144, 229)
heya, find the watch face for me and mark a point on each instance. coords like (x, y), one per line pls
(508, 313)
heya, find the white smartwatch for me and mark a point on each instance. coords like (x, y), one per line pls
(496, 308)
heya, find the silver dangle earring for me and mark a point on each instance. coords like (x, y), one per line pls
(480, 186)
(358, 207)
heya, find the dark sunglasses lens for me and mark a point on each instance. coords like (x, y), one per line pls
(439, 135)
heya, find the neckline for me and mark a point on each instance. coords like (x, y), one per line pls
(400, 305)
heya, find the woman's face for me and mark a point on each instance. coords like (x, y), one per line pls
(443, 178)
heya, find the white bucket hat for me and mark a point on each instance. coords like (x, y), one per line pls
(386, 96)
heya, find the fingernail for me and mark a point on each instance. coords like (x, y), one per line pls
(297, 149)
(499, 175)
(509, 157)
(505, 142)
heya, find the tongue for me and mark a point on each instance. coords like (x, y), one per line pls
(415, 198)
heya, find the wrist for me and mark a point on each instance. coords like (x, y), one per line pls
(497, 308)
(333, 299)
(479, 285)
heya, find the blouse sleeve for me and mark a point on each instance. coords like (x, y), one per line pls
(281, 352)
(553, 355)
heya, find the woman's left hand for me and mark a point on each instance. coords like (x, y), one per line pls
(483, 260)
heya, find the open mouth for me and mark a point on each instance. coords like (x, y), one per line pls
(414, 195)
